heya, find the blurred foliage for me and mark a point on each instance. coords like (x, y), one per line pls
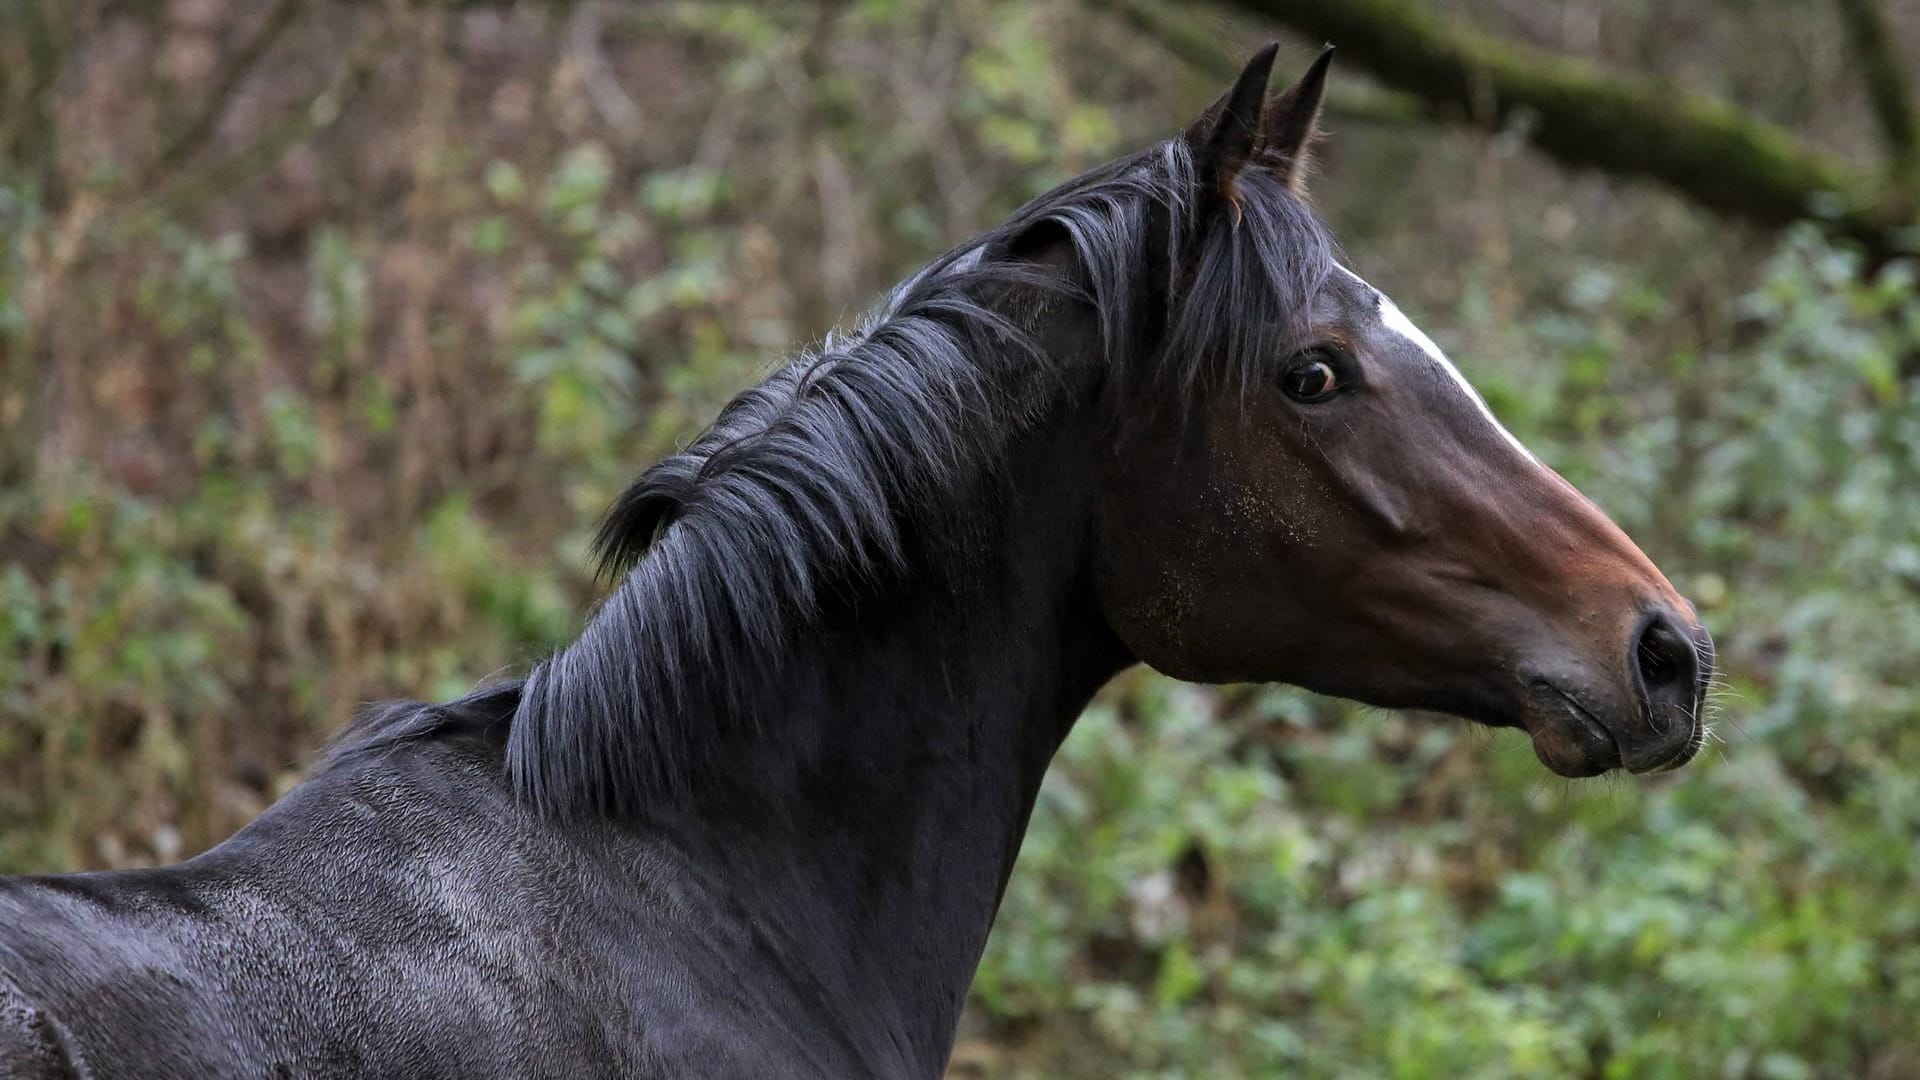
(336, 429)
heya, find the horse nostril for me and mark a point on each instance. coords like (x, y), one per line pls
(1665, 657)
(1670, 669)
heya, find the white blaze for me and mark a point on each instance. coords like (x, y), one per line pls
(1397, 321)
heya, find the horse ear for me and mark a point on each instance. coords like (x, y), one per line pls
(1225, 137)
(1292, 123)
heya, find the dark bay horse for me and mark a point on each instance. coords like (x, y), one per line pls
(756, 821)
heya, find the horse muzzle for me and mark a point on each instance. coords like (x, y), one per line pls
(1644, 716)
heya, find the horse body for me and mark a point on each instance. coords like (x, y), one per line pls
(757, 820)
(406, 916)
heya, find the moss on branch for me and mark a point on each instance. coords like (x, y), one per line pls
(1584, 116)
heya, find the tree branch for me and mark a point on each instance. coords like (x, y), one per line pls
(1888, 87)
(186, 139)
(187, 187)
(1583, 116)
(1198, 43)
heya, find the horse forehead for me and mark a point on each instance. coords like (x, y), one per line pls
(1397, 323)
(1395, 320)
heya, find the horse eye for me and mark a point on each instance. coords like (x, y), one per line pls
(1311, 379)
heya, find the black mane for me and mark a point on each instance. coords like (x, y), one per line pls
(808, 481)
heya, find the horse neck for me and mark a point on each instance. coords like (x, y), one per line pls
(878, 868)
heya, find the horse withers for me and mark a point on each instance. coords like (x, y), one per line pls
(757, 819)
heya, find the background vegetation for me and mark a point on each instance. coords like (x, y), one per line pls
(328, 328)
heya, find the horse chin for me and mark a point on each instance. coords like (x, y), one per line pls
(1568, 739)
(1573, 747)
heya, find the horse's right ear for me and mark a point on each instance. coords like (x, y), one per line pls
(1225, 137)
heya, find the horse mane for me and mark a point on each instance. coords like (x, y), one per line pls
(811, 481)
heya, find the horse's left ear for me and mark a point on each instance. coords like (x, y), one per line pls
(1226, 136)
(1291, 125)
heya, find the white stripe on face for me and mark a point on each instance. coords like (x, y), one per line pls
(1396, 320)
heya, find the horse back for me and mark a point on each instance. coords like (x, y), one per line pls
(401, 914)
(396, 917)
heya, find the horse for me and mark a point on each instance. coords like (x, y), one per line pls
(757, 819)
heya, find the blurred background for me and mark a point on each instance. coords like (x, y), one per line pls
(327, 330)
